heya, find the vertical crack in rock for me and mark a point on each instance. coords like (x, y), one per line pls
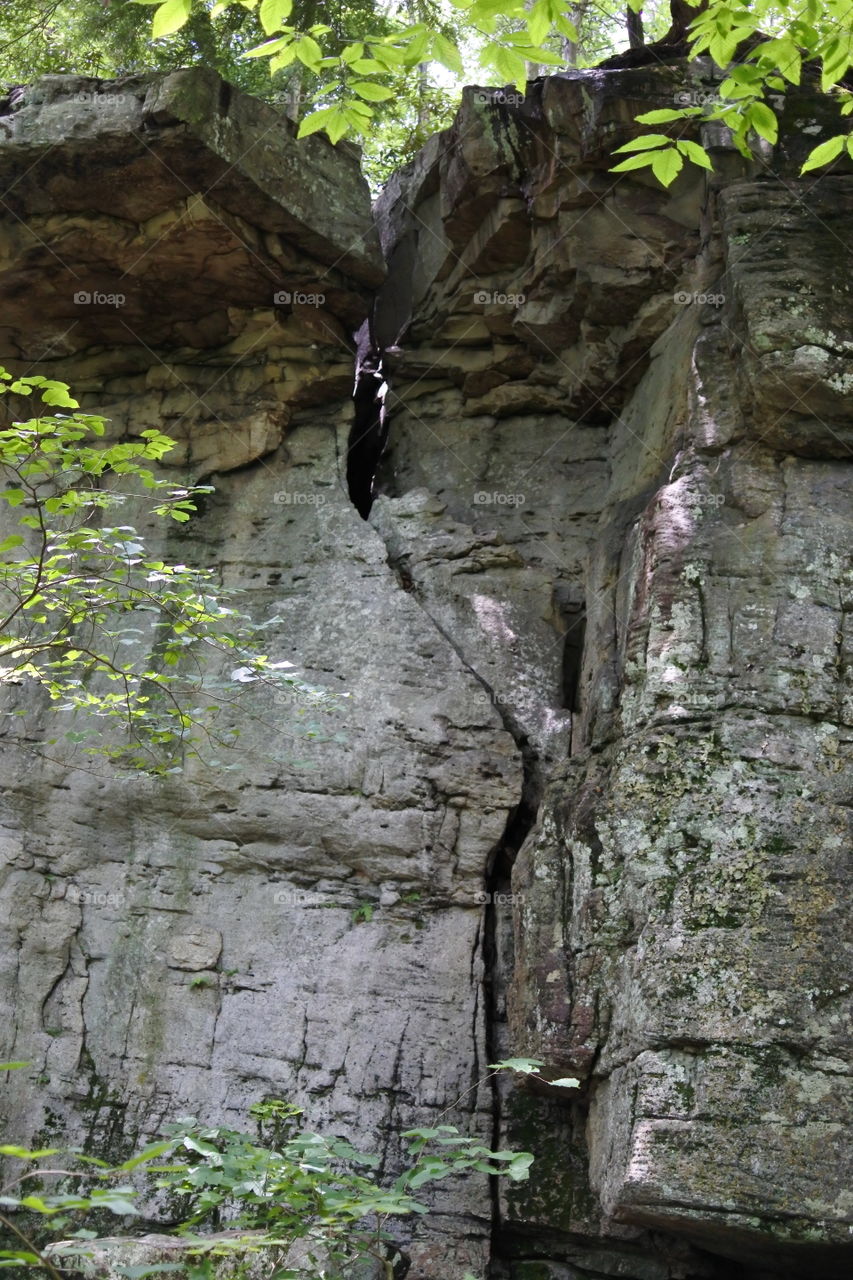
(496, 935)
(573, 648)
(682, 477)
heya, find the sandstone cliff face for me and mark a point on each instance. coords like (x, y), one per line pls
(593, 777)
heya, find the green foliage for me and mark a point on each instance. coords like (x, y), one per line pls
(513, 35)
(388, 74)
(89, 37)
(86, 1186)
(532, 1067)
(104, 628)
(730, 33)
(245, 1195)
(665, 157)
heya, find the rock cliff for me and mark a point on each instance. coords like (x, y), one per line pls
(588, 798)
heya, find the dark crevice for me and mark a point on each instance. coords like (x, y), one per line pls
(497, 923)
(497, 960)
(575, 620)
(369, 432)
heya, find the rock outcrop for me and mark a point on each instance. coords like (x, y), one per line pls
(588, 798)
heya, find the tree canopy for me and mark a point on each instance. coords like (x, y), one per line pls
(388, 73)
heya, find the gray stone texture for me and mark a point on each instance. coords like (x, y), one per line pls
(625, 854)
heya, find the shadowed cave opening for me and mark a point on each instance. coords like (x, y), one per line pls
(368, 433)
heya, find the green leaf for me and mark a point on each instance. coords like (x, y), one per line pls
(39, 1205)
(309, 52)
(566, 28)
(369, 67)
(791, 64)
(826, 152)
(836, 59)
(23, 1153)
(644, 142)
(664, 115)
(635, 162)
(148, 1153)
(666, 165)
(372, 92)
(695, 153)
(388, 57)
(722, 46)
(170, 17)
(510, 66)
(155, 1269)
(519, 1167)
(273, 13)
(271, 46)
(318, 120)
(58, 395)
(119, 1205)
(529, 1066)
(332, 119)
(763, 121)
(446, 52)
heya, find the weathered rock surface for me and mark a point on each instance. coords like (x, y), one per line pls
(595, 636)
(194, 948)
(636, 405)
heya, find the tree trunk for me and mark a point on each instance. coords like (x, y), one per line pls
(681, 14)
(634, 22)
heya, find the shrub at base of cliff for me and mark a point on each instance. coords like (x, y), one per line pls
(286, 1199)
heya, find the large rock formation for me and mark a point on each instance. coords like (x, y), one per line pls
(593, 776)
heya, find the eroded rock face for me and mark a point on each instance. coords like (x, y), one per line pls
(591, 780)
(194, 948)
(635, 406)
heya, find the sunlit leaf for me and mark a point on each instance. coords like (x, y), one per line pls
(170, 17)
(273, 14)
(826, 152)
